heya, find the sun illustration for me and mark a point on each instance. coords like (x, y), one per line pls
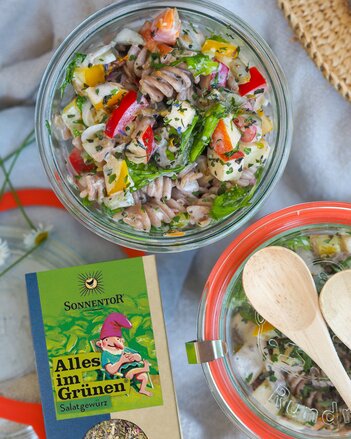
(91, 282)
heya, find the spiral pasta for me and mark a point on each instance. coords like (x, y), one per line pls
(165, 83)
(167, 126)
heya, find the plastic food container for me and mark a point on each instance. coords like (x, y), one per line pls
(102, 26)
(234, 342)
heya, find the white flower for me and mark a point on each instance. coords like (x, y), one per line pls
(36, 236)
(4, 251)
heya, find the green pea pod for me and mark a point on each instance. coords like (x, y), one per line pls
(203, 138)
(98, 319)
(77, 330)
(72, 341)
(136, 322)
(146, 323)
(59, 338)
(84, 323)
(53, 345)
(143, 304)
(83, 346)
(186, 140)
(50, 321)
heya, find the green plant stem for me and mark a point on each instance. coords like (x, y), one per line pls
(26, 142)
(8, 173)
(17, 261)
(16, 197)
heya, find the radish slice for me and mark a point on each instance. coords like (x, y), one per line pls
(250, 127)
(103, 55)
(219, 78)
(88, 114)
(128, 36)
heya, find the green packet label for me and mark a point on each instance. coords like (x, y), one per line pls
(99, 338)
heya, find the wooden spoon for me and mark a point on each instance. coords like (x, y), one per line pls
(335, 303)
(280, 287)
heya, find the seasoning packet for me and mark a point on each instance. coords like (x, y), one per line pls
(101, 352)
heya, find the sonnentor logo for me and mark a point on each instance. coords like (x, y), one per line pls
(91, 282)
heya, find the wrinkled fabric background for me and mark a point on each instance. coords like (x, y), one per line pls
(318, 168)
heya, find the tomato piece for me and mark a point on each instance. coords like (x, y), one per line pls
(149, 141)
(248, 130)
(122, 115)
(76, 160)
(256, 81)
(249, 134)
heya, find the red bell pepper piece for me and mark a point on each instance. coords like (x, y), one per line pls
(237, 155)
(76, 160)
(222, 143)
(123, 114)
(256, 81)
(149, 141)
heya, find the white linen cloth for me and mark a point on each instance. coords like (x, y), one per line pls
(318, 168)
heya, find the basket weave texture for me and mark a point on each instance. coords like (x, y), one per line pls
(324, 29)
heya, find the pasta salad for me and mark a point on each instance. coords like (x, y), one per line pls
(168, 125)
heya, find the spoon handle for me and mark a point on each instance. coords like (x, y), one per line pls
(316, 342)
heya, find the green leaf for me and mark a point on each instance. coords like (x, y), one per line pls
(295, 243)
(247, 313)
(77, 59)
(249, 378)
(218, 38)
(112, 178)
(231, 201)
(80, 101)
(234, 199)
(142, 174)
(199, 64)
(86, 202)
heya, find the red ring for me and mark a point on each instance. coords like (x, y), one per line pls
(221, 274)
(46, 197)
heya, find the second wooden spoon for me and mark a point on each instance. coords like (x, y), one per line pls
(335, 302)
(280, 287)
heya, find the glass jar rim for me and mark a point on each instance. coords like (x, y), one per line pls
(208, 324)
(198, 237)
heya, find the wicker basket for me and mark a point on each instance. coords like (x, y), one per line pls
(324, 29)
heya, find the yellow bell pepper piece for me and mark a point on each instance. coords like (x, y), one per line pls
(175, 233)
(105, 96)
(116, 175)
(324, 245)
(266, 327)
(267, 124)
(115, 99)
(91, 75)
(72, 118)
(220, 50)
(122, 181)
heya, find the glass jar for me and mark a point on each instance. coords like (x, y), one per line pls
(281, 411)
(102, 26)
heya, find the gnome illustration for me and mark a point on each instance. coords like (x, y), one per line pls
(117, 359)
